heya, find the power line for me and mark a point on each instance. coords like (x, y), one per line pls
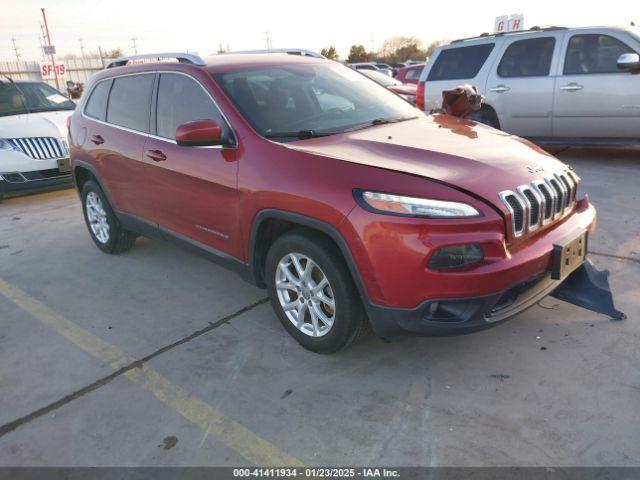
(16, 50)
(268, 40)
(41, 41)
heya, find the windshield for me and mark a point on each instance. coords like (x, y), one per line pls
(315, 98)
(381, 78)
(29, 97)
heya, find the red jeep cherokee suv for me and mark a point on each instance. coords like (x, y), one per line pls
(344, 201)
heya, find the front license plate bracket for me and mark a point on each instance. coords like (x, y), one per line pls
(568, 256)
(64, 165)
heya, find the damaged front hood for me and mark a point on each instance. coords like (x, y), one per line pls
(459, 152)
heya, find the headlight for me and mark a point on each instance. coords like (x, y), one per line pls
(6, 145)
(412, 206)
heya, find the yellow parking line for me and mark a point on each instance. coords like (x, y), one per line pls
(254, 448)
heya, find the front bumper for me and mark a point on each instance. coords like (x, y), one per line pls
(458, 316)
(412, 299)
(27, 182)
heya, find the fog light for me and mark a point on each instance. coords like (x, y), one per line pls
(456, 256)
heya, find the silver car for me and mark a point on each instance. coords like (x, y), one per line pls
(555, 85)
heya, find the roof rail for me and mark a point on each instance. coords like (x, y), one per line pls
(288, 51)
(537, 28)
(181, 57)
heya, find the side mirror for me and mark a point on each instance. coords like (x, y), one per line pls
(629, 61)
(200, 133)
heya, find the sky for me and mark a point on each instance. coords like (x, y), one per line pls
(200, 27)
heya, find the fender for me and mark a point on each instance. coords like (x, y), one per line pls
(331, 231)
(94, 172)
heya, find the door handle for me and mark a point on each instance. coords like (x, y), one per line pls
(500, 89)
(156, 155)
(572, 87)
(97, 139)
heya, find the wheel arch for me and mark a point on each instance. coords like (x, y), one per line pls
(492, 113)
(83, 171)
(269, 224)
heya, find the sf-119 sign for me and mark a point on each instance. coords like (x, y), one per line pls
(47, 70)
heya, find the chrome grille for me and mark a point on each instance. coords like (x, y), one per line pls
(41, 148)
(534, 205)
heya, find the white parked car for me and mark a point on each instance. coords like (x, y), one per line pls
(378, 67)
(569, 86)
(34, 152)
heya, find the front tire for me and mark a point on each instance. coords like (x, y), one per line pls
(104, 228)
(312, 292)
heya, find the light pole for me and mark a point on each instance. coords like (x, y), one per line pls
(53, 61)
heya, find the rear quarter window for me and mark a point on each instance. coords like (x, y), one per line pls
(460, 62)
(97, 103)
(130, 102)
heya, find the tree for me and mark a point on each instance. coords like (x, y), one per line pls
(358, 53)
(331, 53)
(398, 49)
(114, 53)
(401, 49)
(433, 46)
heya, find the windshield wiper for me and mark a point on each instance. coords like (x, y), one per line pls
(378, 121)
(301, 134)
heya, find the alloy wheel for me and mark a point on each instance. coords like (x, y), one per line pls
(305, 294)
(97, 217)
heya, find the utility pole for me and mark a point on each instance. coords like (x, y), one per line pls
(135, 47)
(41, 41)
(267, 40)
(81, 47)
(53, 61)
(16, 50)
(101, 55)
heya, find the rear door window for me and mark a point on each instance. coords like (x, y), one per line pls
(593, 53)
(181, 99)
(528, 58)
(97, 103)
(460, 62)
(130, 102)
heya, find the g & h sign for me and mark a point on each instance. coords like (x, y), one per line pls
(509, 23)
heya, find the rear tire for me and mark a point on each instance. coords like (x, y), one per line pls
(307, 275)
(104, 227)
